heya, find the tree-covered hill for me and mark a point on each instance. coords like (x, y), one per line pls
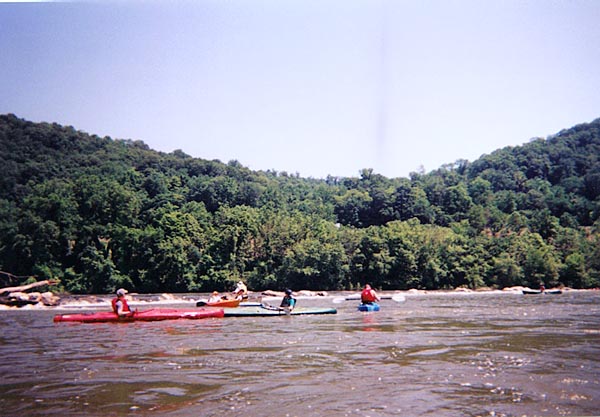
(99, 213)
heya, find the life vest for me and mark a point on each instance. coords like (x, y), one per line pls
(288, 301)
(125, 305)
(367, 296)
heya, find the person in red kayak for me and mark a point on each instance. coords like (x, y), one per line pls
(368, 295)
(119, 304)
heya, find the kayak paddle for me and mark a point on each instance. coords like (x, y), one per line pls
(399, 298)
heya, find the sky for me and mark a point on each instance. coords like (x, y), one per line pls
(308, 87)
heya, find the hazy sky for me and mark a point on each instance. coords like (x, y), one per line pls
(311, 87)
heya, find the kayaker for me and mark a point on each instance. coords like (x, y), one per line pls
(240, 291)
(289, 302)
(368, 295)
(215, 297)
(119, 304)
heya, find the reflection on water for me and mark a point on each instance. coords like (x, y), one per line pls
(433, 355)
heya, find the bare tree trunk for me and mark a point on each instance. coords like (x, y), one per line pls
(23, 288)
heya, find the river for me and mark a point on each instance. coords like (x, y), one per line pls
(451, 354)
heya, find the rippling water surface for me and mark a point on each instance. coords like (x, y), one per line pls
(433, 355)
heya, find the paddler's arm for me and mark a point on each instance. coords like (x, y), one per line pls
(270, 307)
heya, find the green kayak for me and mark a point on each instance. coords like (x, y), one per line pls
(258, 310)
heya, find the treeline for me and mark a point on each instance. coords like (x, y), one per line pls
(99, 213)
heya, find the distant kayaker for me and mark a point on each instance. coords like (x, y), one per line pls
(289, 302)
(240, 291)
(368, 295)
(215, 297)
(119, 304)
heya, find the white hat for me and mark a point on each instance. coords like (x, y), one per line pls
(121, 292)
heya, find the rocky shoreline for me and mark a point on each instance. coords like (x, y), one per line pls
(53, 300)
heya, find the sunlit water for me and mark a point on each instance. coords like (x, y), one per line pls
(433, 355)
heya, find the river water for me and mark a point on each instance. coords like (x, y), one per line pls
(478, 354)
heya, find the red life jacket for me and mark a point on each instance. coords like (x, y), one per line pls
(125, 305)
(367, 296)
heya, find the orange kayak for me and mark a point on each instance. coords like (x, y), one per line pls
(221, 303)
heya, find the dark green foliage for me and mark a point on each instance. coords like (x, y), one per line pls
(100, 214)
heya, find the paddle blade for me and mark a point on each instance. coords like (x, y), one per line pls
(338, 300)
(399, 298)
(200, 303)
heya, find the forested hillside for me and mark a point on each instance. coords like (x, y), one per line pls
(99, 213)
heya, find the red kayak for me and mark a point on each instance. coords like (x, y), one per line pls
(154, 314)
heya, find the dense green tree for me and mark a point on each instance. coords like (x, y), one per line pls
(540, 263)
(505, 271)
(574, 273)
(480, 191)
(351, 206)
(100, 213)
(233, 245)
